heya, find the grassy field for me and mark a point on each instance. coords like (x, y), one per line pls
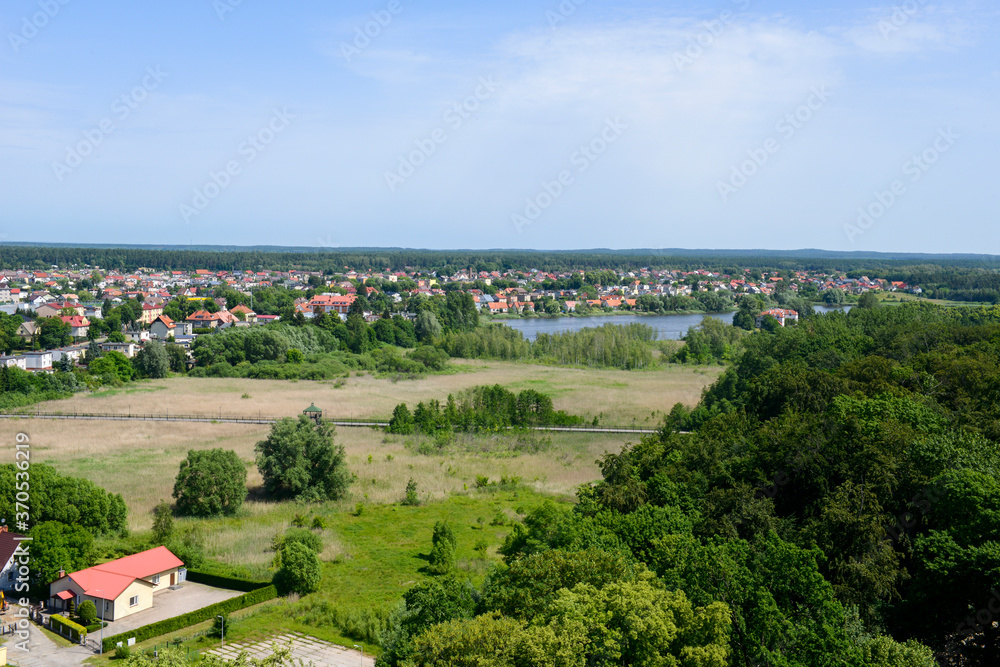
(140, 460)
(618, 398)
(369, 558)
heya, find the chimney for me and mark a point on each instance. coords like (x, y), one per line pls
(62, 573)
(3, 528)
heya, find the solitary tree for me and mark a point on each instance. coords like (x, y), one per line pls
(300, 460)
(210, 482)
(427, 326)
(868, 300)
(153, 361)
(442, 558)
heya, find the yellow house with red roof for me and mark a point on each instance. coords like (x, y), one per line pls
(123, 587)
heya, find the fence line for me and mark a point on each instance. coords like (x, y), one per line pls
(265, 420)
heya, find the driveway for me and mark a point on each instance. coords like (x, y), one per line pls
(189, 596)
(43, 652)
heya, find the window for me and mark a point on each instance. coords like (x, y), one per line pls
(133, 601)
(156, 579)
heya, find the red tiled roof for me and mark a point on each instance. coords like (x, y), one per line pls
(113, 577)
(64, 595)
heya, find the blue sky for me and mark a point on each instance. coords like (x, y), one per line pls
(586, 123)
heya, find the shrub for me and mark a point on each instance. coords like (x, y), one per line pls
(442, 558)
(87, 612)
(305, 537)
(411, 498)
(123, 652)
(299, 571)
(67, 628)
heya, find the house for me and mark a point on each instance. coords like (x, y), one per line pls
(48, 310)
(202, 319)
(128, 348)
(150, 311)
(137, 335)
(247, 314)
(122, 587)
(73, 353)
(8, 544)
(38, 361)
(781, 314)
(332, 303)
(27, 330)
(13, 362)
(78, 325)
(162, 327)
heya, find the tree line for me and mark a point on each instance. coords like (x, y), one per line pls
(483, 408)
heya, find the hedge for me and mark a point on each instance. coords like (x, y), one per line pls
(59, 622)
(185, 620)
(96, 626)
(229, 583)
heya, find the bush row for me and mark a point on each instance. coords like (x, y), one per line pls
(67, 628)
(230, 583)
(185, 620)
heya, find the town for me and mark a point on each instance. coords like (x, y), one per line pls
(60, 305)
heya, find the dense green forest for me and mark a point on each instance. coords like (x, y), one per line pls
(836, 503)
(16, 256)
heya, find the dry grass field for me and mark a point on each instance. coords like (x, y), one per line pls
(140, 459)
(620, 397)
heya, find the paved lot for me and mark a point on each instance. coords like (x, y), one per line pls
(43, 652)
(169, 603)
(306, 649)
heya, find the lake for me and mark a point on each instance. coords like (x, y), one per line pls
(668, 327)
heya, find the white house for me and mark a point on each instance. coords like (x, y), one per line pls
(122, 587)
(13, 362)
(128, 348)
(38, 361)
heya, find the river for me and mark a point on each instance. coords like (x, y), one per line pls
(668, 327)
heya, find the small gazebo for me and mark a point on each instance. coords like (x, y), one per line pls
(313, 412)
